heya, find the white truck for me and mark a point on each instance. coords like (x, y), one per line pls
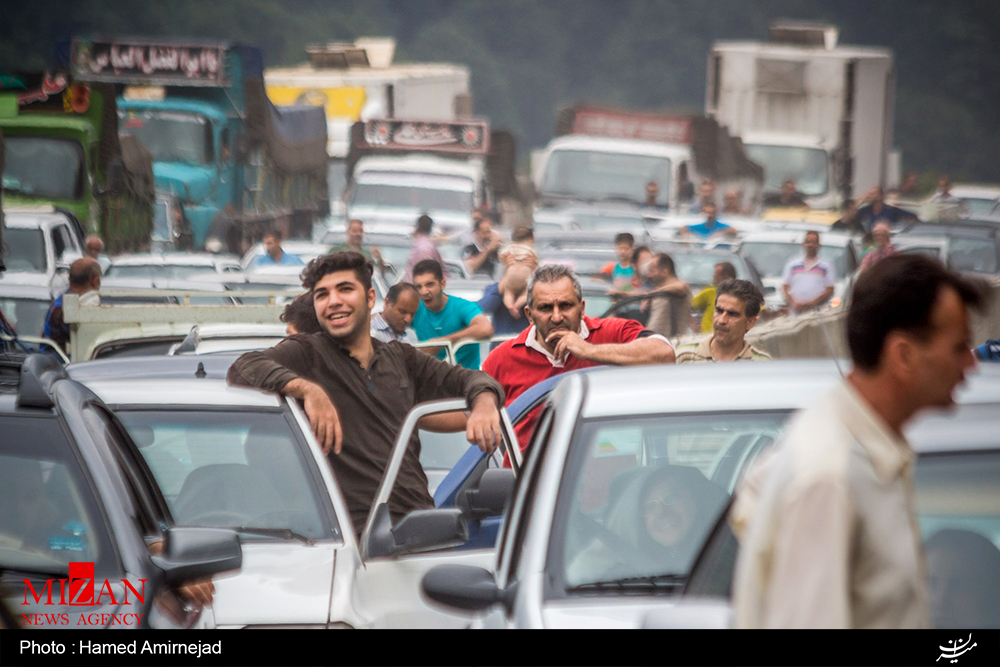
(358, 81)
(608, 156)
(808, 110)
(399, 170)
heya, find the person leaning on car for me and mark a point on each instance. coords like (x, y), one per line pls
(357, 390)
(827, 523)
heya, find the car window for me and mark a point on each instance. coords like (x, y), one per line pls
(233, 469)
(640, 496)
(50, 514)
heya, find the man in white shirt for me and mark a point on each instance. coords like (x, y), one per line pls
(808, 281)
(827, 523)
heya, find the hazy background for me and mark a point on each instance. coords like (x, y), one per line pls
(530, 57)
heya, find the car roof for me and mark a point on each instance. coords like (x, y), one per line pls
(151, 367)
(772, 385)
(173, 258)
(579, 142)
(14, 289)
(796, 236)
(204, 392)
(32, 219)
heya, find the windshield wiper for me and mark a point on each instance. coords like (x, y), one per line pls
(661, 584)
(283, 533)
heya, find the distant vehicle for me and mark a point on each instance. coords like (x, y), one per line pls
(73, 491)
(41, 243)
(808, 110)
(170, 265)
(978, 200)
(394, 243)
(26, 307)
(216, 140)
(304, 250)
(63, 149)
(228, 338)
(584, 544)
(972, 247)
(770, 252)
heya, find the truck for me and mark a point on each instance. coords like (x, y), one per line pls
(63, 150)
(360, 80)
(603, 155)
(808, 110)
(220, 147)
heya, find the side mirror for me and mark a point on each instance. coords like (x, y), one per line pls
(462, 587)
(197, 553)
(420, 530)
(490, 496)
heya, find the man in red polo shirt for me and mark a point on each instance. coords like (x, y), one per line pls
(561, 338)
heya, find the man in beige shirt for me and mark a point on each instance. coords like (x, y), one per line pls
(737, 306)
(827, 524)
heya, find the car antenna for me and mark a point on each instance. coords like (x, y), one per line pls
(200, 373)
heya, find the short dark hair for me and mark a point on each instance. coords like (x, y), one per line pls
(745, 291)
(424, 224)
(83, 271)
(301, 314)
(392, 296)
(272, 231)
(899, 293)
(338, 261)
(638, 251)
(728, 270)
(522, 234)
(429, 266)
(666, 263)
(476, 224)
(811, 231)
(624, 237)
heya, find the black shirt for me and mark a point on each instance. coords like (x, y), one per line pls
(489, 264)
(372, 405)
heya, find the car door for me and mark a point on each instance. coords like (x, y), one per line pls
(388, 586)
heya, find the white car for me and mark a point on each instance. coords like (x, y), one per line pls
(978, 200)
(41, 244)
(170, 265)
(618, 510)
(233, 457)
(770, 251)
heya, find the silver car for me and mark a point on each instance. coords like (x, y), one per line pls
(630, 471)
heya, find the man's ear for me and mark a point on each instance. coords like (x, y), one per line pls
(527, 315)
(751, 321)
(371, 298)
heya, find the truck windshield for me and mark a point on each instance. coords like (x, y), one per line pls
(417, 191)
(170, 136)
(44, 167)
(594, 176)
(806, 166)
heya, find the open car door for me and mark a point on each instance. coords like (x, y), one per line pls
(395, 558)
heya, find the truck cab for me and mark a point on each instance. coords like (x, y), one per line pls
(798, 157)
(191, 142)
(398, 190)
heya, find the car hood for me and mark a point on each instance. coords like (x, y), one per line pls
(187, 182)
(602, 612)
(280, 583)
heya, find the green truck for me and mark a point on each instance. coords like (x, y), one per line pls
(63, 149)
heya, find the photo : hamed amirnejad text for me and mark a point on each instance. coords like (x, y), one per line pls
(86, 647)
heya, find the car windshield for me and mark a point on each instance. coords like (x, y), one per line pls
(50, 516)
(161, 271)
(596, 176)
(170, 136)
(27, 316)
(413, 191)
(640, 495)
(25, 250)
(970, 254)
(770, 258)
(979, 206)
(43, 167)
(806, 166)
(228, 468)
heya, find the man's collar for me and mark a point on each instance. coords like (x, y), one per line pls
(890, 453)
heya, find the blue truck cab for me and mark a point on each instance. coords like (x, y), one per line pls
(219, 147)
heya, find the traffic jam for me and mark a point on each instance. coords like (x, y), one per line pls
(307, 348)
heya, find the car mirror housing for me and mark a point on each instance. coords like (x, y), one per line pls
(420, 530)
(490, 496)
(462, 587)
(197, 553)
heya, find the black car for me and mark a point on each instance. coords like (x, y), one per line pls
(85, 539)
